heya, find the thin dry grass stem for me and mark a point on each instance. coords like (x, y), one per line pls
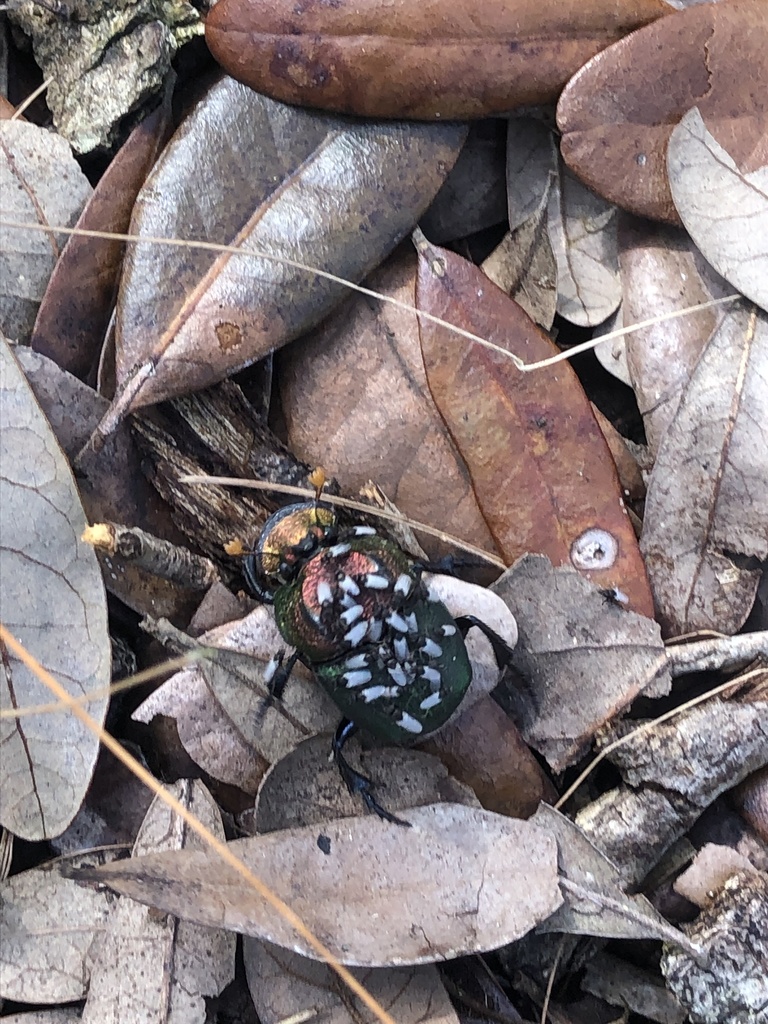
(129, 683)
(362, 290)
(350, 503)
(648, 726)
(551, 980)
(209, 838)
(30, 99)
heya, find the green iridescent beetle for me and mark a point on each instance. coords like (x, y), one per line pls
(356, 611)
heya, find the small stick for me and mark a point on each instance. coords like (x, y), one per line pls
(722, 652)
(161, 558)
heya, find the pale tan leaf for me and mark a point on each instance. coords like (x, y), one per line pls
(612, 354)
(40, 182)
(459, 880)
(219, 704)
(53, 602)
(283, 984)
(582, 231)
(523, 265)
(706, 515)
(151, 969)
(723, 206)
(50, 925)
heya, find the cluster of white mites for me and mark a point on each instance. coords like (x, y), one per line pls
(402, 653)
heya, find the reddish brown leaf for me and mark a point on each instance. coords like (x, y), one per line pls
(355, 399)
(415, 59)
(76, 307)
(618, 112)
(540, 467)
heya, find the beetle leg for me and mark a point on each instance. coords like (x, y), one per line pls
(276, 676)
(280, 675)
(501, 649)
(355, 782)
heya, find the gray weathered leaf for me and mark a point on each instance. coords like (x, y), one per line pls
(595, 899)
(248, 171)
(663, 272)
(151, 969)
(460, 880)
(53, 602)
(582, 230)
(40, 183)
(284, 984)
(583, 658)
(723, 206)
(50, 927)
(706, 514)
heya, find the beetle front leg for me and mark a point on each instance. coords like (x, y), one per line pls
(355, 782)
(502, 652)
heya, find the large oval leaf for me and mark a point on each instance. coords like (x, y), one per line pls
(247, 171)
(439, 59)
(52, 599)
(540, 467)
(460, 880)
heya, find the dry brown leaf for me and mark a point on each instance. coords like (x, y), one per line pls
(662, 272)
(706, 515)
(723, 201)
(355, 397)
(583, 658)
(331, 193)
(152, 968)
(51, 927)
(40, 182)
(305, 788)
(78, 301)
(218, 704)
(460, 880)
(617, 113)
(580, 228)
(283, 984)
(542, 472)
(612, 353)
(523, 265)
(532, 159)
(433, 60)
(54, 603)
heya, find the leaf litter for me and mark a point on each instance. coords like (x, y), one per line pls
(615, 602)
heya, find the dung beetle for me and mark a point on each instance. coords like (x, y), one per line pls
(358, 614)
